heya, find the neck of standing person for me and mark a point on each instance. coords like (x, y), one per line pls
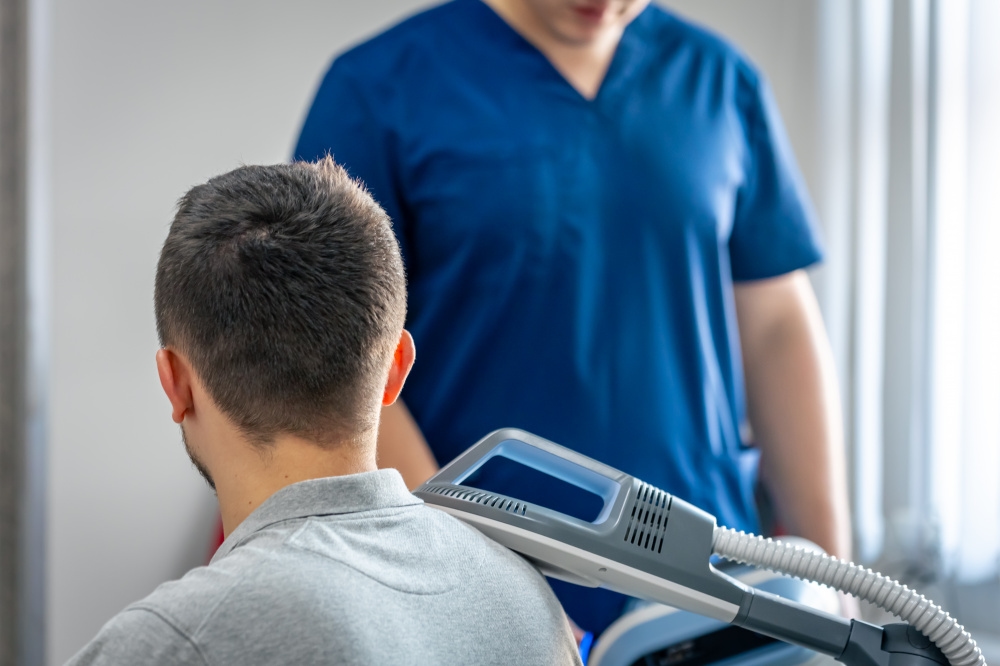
(583, 66)
(579, 39)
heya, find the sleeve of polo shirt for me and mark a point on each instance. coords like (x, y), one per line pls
(342, 123)
(774, 231)
(138, 636)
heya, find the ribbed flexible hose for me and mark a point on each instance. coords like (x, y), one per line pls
(896, 598)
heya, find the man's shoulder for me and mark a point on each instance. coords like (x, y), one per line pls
(458, 535)
(140, 634)
(666, 32)
(415, 548)
(423, 32)
(331, 585)
(190, 599)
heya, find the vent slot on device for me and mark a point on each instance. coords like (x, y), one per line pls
(479, 497)
(648, 520)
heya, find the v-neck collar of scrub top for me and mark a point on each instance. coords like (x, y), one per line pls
(627, 56)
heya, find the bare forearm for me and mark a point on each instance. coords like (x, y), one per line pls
(795, 413)
(402, 446)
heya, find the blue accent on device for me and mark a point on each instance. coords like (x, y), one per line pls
(585, 644)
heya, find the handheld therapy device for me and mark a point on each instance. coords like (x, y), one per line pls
(597, 526)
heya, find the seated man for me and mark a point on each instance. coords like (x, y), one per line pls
(280, 301)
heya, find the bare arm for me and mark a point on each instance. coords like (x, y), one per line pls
(794, 408)
(401, 445)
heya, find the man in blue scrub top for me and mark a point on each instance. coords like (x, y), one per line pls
(604, 230)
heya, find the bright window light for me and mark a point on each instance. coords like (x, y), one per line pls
(965, 327)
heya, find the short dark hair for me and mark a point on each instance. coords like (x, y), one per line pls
(284, 287)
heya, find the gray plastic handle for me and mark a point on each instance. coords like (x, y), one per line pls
(647, 544)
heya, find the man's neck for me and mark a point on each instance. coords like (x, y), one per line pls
(249, 480)
(583, 65)
(583, 68)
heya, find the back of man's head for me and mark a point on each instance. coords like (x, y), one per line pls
(284, 287)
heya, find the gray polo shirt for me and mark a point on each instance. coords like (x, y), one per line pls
(346, 570)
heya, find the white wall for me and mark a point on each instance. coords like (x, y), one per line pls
(147, 99)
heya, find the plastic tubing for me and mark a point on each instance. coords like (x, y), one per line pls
(889, 595)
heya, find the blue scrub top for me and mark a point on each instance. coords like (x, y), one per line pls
(571, 261)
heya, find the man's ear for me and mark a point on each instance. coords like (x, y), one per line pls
(402, 361)
(175, 378)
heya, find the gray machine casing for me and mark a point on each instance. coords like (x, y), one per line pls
(650, 633)
(631, 548)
